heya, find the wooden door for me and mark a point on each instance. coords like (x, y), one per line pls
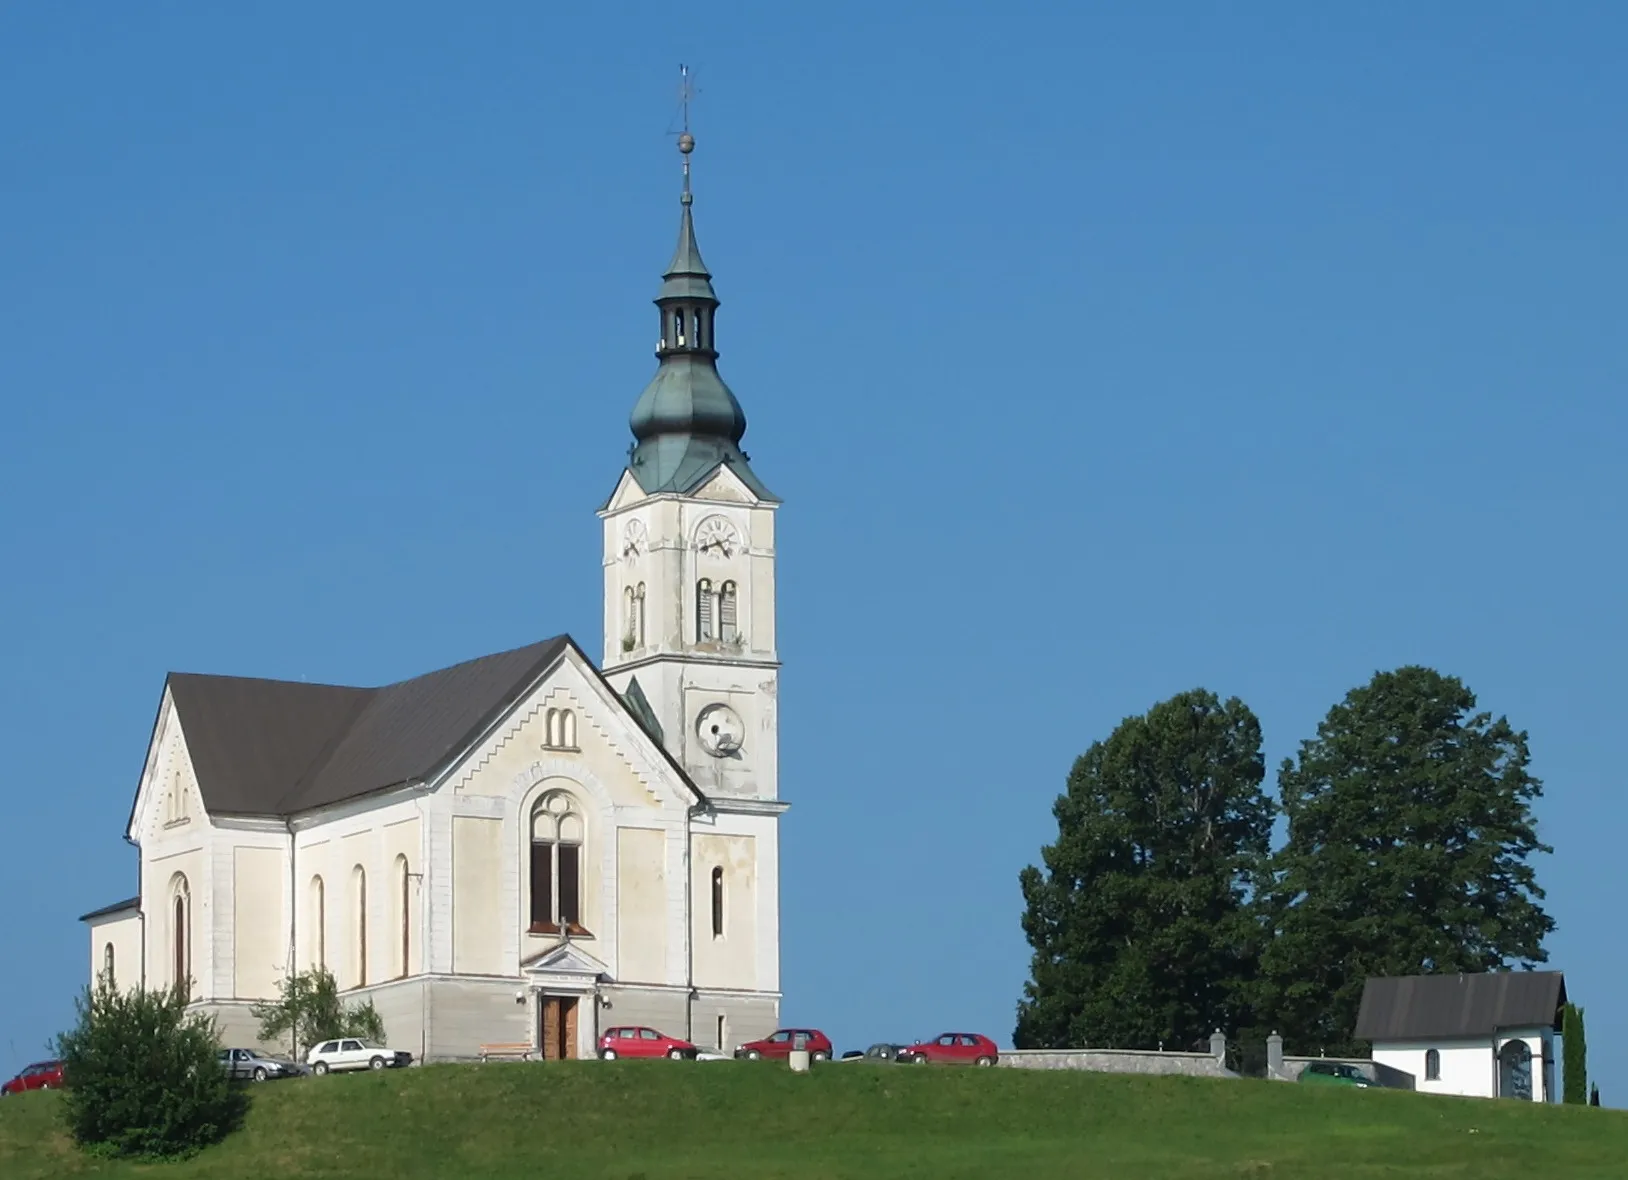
(559, 1031)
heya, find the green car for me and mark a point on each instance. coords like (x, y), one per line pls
(1334, 1073)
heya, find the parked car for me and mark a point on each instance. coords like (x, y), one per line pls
(955, 1049)
(251, 1065)
(886, 1053)
(1335, 1073)
(634, 1040)
(354, 1053)
(42, 1075)
(781, 1042)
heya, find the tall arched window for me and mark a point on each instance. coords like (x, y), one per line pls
(727, 613)
(181, 934)
(703, 610)
(1432, 1065)
(629, 632)
(638, 615)
(718, 902)
(568, 729)
(556, 866)
(319, 924)
(359, 904)
(678, 327)
(107, 962)
(405, 882)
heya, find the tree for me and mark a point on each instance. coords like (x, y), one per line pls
(1139, 922)
(142, 1076)
(1409, 836)
(1574, 1049)
(308, 1009)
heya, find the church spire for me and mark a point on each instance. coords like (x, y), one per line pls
(687, 422)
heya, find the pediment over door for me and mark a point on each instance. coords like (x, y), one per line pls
(567, 968)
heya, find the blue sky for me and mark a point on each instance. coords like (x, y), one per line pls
(1098, 352)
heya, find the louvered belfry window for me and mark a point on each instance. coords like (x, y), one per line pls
(727, 612)
(703, 610)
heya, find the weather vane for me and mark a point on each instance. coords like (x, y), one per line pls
(686, 141)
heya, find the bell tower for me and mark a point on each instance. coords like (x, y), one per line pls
(689, 552)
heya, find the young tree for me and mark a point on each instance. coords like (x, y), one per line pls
(142, 1076)
(1574, 1051)
(1410, 833)
(308, 1009)
(1139, 922)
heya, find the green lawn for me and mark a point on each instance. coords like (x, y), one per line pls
(664, 1120)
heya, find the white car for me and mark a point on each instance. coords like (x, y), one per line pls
(354, 1053)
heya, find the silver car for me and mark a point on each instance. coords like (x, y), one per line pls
(251, 1065)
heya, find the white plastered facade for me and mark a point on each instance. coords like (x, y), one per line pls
(1469, 1067)
(417, 897)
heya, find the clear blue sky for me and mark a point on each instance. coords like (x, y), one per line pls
(1098, 352)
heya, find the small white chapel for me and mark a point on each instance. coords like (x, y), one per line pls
(522, 848)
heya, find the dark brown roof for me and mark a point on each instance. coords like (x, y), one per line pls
(277, 747)
(1424, 1007)
(118, 907)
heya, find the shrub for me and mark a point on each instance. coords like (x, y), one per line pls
(309, 1010)
(142, 1075)
(1574, 1055)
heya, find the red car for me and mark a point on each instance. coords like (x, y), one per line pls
(954, 1049)
(782, 1042)
(42, 1075)
(634, 1041)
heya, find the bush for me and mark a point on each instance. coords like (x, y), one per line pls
(1574, 1055)
(142, 1076)
(308, 1009)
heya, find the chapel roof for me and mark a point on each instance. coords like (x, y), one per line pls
(280, 747)
(1427, 1007)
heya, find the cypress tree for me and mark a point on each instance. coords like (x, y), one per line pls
(1574, 1052)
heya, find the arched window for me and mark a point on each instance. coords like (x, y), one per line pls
(638, 615)
(678, 327)
(319, 924)
(404, 877)
(718, 902)
(630, 635)
(556, 866)
(727, 613)
(180, 934)
(1432, 1065)
(703, 610)
(107, 963)
(359, 902)
(561, 729)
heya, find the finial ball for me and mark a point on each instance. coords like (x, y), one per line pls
(686, 143)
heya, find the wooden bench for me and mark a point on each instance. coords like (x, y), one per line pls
(520, 1049)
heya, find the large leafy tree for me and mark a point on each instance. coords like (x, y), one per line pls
(1140, 919)
(308, 1009)
(1410, 830)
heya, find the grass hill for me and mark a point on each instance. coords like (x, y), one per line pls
(663, 1121)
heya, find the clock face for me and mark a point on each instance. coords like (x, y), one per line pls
(634, 540)
(720, 729)
(717, 537)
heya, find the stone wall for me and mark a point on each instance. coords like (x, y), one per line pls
(1144, 1061)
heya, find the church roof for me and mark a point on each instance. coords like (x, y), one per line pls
(1425, 1007)
(279, 747)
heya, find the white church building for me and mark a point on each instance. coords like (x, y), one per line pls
(520, 848)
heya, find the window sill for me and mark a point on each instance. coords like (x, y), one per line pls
(178, 823)
(576, 929)
(563, 749)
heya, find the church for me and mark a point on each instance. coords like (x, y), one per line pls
(521, 848)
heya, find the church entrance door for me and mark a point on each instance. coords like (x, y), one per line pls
(558, 1035)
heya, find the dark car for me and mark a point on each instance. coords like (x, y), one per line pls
(955, 1049)
(251, 1065)
(885, 1053)
(42, 1075)
(781, 1042)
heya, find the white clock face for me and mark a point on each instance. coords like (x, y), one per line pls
(720, 730)
(717, 537)
(634, 540)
